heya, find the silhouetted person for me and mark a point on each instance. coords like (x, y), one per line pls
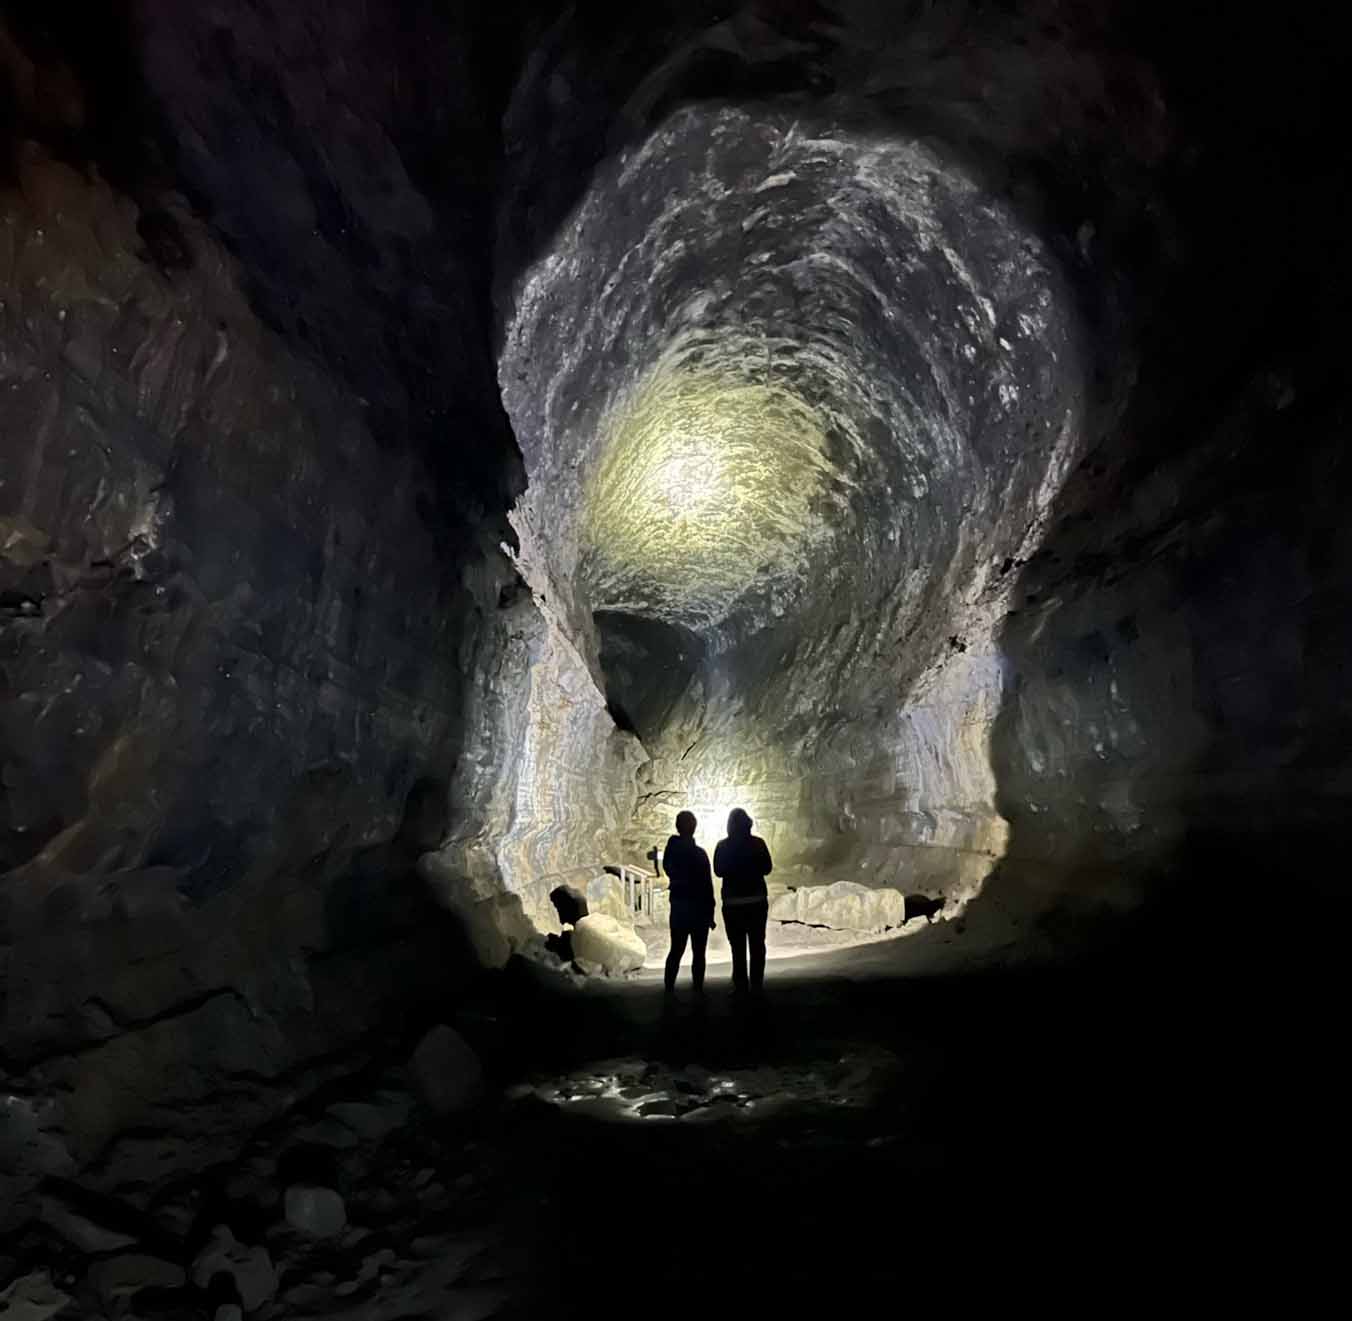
(743, 861)
(692, 900)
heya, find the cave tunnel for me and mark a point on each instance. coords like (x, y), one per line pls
(442, 442)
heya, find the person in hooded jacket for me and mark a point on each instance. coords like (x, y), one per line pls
(692, 901)
(743, 861)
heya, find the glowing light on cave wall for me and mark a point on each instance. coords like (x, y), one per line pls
(710, 484)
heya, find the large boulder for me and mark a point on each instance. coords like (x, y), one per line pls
(844, 906)
(447, 1072)
(605, 896)
(604, 944)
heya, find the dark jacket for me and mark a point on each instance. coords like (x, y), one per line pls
(692, 887)
(743, 862)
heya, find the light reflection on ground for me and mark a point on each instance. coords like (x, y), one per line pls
(636, 1089)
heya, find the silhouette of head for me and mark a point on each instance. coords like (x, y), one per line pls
(738, 822)
(685, 823)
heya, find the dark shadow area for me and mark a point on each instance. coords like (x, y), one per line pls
(647, 664)
(1181, 638)
(1030, 1131)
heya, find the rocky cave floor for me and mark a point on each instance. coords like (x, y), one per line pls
(634, 1155)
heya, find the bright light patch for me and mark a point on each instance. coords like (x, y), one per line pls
(710, 484)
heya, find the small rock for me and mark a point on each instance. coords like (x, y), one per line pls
(32, 1298)
(372, 1122)
(229, 1312)
(447, 1071)
(665, 1109)
(250, 1268)
(307, 1296)
(328, 1132)
(315, 1212)
(375, 1263)
(79, 1230)
(427, 1246)
(120, 1277)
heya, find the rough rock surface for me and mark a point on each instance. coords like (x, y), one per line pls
(843, 906)
(657, 495)
(605, 944)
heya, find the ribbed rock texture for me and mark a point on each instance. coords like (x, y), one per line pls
(805, 407)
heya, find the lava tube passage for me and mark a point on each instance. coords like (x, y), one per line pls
(789, 395)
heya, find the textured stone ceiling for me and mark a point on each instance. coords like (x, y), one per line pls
(706, 485)
(770, 368)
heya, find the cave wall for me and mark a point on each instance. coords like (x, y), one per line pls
(233, 611)
(1173, 742)
(546, 780)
